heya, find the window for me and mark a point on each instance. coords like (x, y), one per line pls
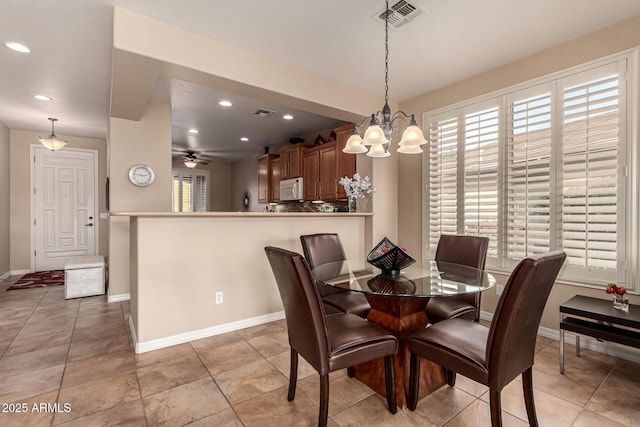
(190, 192)
(537, 168)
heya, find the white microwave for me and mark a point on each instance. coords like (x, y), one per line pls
(291, 189)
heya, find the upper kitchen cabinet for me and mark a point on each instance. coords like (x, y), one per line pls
(346, 163)
(275, 179)
(291, 161)
(265, 192)
(320, 169)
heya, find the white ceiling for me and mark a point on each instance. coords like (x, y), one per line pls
(455, 39)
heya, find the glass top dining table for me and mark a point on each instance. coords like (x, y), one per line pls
(427, 279)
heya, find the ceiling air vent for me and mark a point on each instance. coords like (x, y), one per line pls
(263, 112)
(400, 13)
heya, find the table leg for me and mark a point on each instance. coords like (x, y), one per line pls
(402, 317)
(577, 345)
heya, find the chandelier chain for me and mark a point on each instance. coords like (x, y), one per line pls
(386, 53)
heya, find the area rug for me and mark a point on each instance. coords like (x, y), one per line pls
(40, 279)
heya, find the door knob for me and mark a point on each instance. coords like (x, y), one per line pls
(89, 225)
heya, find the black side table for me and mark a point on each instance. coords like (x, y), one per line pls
(596, 317)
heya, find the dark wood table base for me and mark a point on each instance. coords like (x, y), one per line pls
(401, 316)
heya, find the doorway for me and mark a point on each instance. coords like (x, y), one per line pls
(64, 206)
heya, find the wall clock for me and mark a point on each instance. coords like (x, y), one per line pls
(141, 175)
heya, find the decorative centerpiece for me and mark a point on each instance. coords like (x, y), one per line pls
(356, 188)
(620, 301)
(389, 258)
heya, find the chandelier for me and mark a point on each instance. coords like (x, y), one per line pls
(51, 142)
(378, 134)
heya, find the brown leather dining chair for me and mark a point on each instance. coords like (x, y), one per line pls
(324, 248)
(465, 250)
(493, 355)
(328, 343)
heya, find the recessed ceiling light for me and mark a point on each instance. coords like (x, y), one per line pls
(225, 103)
(193, 131)
(18, 47)
(287, 117)
(244, 138)
(43, 98)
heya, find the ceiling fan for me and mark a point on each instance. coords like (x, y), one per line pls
(190, 158)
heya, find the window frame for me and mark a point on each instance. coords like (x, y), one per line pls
(181, 172)
(628, 269)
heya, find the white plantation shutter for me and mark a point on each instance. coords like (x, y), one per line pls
(176, 192)
(481, 174)
(541, 168)
(200, 191)
(528, 194)
(590, 140)
(443, 189)
(190, 193)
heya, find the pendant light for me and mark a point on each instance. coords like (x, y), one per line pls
(378, 133)
(51, 142)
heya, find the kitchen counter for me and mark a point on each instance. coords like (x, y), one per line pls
(237, 214)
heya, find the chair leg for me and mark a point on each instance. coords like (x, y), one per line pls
(293, 375)
(496, 408)
(414, 382)
(527, 387)
(323, 415)
(390, 384)
(351, 372)
(451, 377)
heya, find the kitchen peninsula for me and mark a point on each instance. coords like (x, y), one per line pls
(194, 275)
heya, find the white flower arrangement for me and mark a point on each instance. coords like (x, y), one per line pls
(357, 187)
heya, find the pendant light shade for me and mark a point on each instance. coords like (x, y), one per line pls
(354, 144)
(51, 142)
(378, 150)
(374, 135)
(413, 135)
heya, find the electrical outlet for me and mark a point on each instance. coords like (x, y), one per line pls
(219, 298)
(499, 289)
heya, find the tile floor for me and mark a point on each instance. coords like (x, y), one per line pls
(78, 354)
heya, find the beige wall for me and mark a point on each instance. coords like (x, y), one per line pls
(244, 177)
(4, 200)
(147, 141)
(608, 41)
(20, 200)
(183, 261)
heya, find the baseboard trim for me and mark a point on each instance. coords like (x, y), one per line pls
(119, 297)
(605, 347)
(20, 272)
(5, 275)
(143, 347)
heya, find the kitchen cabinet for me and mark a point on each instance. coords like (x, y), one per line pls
(324, 165)
(264, 177)
(346, 163)
(319, 173)
(275, 179)
(291, 161)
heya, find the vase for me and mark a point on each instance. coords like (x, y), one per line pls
(621, 303)
(352, 205)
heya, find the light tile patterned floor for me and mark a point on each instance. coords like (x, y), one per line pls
(78, 353)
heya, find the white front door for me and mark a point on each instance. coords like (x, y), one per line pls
(65, 206)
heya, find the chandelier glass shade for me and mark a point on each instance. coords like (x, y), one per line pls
(51, 142)
(377, 136)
